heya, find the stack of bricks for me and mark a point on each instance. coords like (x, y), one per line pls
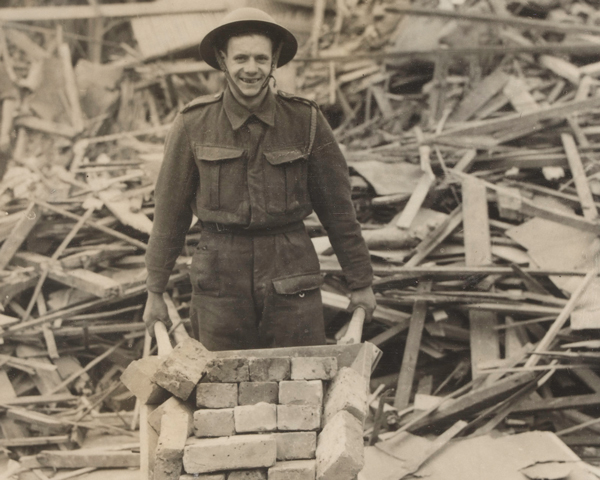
(281, 418)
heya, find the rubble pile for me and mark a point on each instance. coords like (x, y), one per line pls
(470, 131)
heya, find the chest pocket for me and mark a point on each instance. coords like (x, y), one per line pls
(286, 185)
(222, 177)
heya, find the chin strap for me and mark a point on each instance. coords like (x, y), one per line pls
(232, 84)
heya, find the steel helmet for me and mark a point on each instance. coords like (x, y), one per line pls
(253, 18)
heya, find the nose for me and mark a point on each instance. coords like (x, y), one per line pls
(251, 66)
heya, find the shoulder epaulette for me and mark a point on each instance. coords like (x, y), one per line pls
(289, 96)
(203, 100)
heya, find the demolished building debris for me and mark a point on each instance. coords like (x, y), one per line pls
(470, 132)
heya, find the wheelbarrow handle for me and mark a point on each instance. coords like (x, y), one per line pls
(355, 328)
(162, 339)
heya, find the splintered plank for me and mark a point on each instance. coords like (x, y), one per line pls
(522, 121)
(485, 344)
(562, 318)
(558, 403)
(414, 203)
(519, 96)
(480, 95)
(89, 458)
(121, 208)
(435, 237)
(561, 67)
(79, 278)
(422, 189)
(583, 189)
(382, 101)
(538, 209)
(474, 401)
(19, 233)
(411, 351)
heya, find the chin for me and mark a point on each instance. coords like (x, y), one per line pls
(250, 90)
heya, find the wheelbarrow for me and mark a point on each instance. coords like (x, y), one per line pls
(348, 351)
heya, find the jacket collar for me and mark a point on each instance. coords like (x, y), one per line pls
(238, 114)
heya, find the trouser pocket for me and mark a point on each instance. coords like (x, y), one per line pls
(297, 284)
(204, 273)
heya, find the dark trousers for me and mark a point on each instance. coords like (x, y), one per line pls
(256, 291)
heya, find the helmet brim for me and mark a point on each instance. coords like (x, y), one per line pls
(289, 42)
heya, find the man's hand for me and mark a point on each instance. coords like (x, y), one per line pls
(364, 298)
(155, 311)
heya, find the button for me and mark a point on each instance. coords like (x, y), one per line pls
(302, 294)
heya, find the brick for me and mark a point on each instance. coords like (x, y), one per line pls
(205, 476)
(137, 377)
(269, 369)
(295, 470)
(216, 395)
(348, 391)
(214, 422)
(261, 417)
(228, 370)
(206, 455)
(181, 370)
(172, 404)
(174, 427)
(300, 392)
(251, 393)
(314, 368)
(255, 474)
(340, 450)
(298, 417)
(296, 445)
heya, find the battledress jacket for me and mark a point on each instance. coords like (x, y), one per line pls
(256, 171)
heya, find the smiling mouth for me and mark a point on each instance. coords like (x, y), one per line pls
(250, 81)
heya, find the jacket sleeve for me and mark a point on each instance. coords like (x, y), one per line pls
(330, 193)
(174, 193)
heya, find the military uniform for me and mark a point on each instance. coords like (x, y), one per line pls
(251, 178)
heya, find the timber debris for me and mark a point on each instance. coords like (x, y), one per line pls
(470, 129)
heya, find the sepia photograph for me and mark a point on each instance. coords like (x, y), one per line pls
(299, 239)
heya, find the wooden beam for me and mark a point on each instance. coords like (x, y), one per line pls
(411, 350)
(91, 223)
(480, 95)
(34, 441)
(45, 14)
(436, 237)
(474, 401)
(88, 367)
(529, 23)
(38, 399)
(82, 279)
(485, 342)
(558, 403)
(530, 207)
(562, 318)
(89, 458)
(521, 120)
(583, 189)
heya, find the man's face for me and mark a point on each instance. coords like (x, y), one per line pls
(248, 59)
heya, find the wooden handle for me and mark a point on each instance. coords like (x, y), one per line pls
(162, 339)
(355, 328)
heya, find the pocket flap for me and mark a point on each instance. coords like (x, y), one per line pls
(212, 154)
(298, 283)
(288, 155)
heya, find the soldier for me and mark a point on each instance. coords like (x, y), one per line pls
(251, 164)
